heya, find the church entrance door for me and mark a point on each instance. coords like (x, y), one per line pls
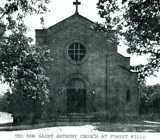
(76, 96)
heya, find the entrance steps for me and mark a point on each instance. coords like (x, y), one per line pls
(75, 117)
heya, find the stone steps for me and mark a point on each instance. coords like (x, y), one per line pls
(75, 118)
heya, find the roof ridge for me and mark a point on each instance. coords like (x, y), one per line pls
(69, 18)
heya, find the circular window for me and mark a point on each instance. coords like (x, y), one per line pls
(76, 51)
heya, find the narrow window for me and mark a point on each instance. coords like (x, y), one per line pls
(128, 96)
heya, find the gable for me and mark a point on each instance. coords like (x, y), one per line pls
(72, 26)
(77, 27)
(76, 18)
(43, 34)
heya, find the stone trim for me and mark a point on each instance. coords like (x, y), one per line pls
(79, 76)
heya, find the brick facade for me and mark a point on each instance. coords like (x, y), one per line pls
(109, 83)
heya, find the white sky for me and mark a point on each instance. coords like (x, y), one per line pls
(61, 9)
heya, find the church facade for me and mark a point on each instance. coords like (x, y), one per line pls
(87, 74)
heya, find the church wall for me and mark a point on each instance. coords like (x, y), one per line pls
(93, 69)
(121, 81)
(105, 72)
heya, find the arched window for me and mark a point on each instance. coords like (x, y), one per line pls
(76, 51)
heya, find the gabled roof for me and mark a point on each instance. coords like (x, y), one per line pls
(69, 19)
(69, 22)
(64, 24)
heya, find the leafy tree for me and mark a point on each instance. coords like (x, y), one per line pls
(138, 22)
(150, 99)
(21, 63)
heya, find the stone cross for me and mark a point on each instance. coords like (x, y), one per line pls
(77, 3)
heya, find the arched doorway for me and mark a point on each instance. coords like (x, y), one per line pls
(76, 96)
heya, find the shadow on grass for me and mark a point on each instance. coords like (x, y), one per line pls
(10, 127)
(99, 126)
(124, 127)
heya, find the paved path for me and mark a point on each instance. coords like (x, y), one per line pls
(147, 126)
(85, 132)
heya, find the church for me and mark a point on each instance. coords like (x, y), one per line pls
(88, 75)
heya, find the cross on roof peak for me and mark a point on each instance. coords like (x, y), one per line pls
(77, 3)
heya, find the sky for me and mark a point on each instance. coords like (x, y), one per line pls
(61, 9)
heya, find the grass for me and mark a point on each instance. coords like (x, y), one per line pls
(141, 123)
(128, 127)
(100, 126)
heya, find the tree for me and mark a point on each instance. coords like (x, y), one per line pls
(21, 63)
(138, 22)
(150, 99)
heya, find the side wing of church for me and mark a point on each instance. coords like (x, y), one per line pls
(88, 75)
